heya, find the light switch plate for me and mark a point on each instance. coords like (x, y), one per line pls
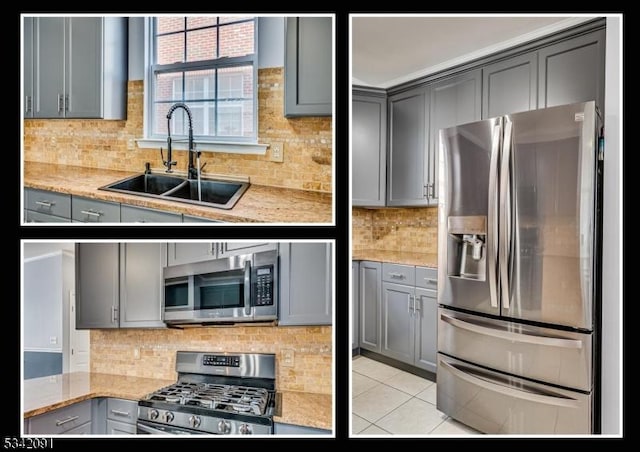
(287, 358)
(277, 151)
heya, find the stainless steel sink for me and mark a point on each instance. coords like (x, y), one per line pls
(213, 193)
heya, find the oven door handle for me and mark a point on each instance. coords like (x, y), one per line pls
(247, 288)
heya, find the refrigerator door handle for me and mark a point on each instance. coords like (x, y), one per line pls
(492, 220)
(505, 217)
(527, 337)
(526, 393)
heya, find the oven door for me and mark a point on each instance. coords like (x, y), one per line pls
(151, 428)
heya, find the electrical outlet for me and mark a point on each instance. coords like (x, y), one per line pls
(277, 152)
(136, 353)
(53, 340)
(287, 358)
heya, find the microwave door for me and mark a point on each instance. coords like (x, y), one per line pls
(178, 293)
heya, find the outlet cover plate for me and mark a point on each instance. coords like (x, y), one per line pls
(277, 151)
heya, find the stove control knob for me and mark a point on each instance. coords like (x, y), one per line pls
(224, 427)
(168, 416)
(194, 421)
(245, 429)
(153, 414)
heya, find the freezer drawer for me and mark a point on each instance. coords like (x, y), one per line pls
(496, 403)
(552, 356)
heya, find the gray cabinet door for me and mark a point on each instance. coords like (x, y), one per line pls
(97, 285)
(120, 428)
(27, 45)
(49, 67)
(407, 164)
(355, 304)
(87, 210)
(186, 253)
(572, 71)
(426, 321)
(370, 288)
(308, 66)
(83, 68)
(291, 429)
(141, 284)
(368, 146)
(453, 101)
(510, 86)
(398, 328)
(305, 284)
(131, 214)
(226, 249)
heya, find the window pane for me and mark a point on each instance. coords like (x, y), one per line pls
(200, 85)
(170, 49)
(160, 111)
(201, 44)
(202, 114)
(197, 22)
(168, 86)
(229, 119)
(167, 24)
(227, 19)
(235, 82)
(236, 39)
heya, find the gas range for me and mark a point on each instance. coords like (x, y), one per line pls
(216, 393)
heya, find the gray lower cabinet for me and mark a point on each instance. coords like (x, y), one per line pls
(120, 428)
(572, 71)
(132, 214)
(355, 305)
(88, 210)
(72, 419)
(305, 284)
(122, 416)
(398, 335)
(426, 336)
(192, 219)
(510, 86)
(452, 101)
(292, 429)
(141, 284)
(308, 66)
(407, 163)
(36, 217)
(370, 293)
(369, 148)
(48, 203)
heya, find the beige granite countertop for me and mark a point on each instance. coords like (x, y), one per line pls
(258, 204)
(307, 409)
(397, 257)
(45, 394)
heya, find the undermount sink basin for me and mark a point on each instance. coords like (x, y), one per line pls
(213, 193)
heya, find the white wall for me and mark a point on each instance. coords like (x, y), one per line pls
(612, 234)
(32, 249)
(270, 44)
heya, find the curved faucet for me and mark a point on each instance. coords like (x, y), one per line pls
(192, 171)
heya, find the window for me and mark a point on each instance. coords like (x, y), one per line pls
(209, 63)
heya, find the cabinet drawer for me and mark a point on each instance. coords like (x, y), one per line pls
(130, 214)
(62, 420)
(427, 278)
(401, 274)
(122, 410)
(94, 211)
(120, 428)
(192, 219)
(36, 217)
(84, 429)
(51, 203)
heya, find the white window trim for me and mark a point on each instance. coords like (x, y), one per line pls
(234, 147)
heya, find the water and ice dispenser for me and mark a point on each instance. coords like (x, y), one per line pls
(467, 247)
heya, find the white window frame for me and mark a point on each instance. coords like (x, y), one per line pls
(243, 145)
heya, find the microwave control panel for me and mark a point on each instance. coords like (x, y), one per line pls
(263, 285)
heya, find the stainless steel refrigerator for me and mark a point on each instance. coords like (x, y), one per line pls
(518, 286)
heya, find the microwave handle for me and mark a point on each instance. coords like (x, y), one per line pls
(247, 288)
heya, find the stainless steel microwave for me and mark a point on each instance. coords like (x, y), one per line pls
(242, 288)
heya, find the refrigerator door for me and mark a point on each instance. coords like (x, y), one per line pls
(547, 200)
(493, 402)
(467, 210)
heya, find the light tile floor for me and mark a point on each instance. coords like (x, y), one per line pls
(390, 401)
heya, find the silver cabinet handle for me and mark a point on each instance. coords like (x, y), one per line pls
(66, 102)
(431, 190)
(120, 413)
(28, 103)
(396, 275)
(114, 312)
(425, 189)
(64, 421)
(60, 101)
(416, 303)
(91, 213)
(45, 203)
(431, 281)
(409, 304)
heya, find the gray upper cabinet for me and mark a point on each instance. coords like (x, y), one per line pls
(27, 71)
(510, 86)
(453, 101)
(305, 284)
(226, 249)
(308, 66)
(407, 168)
(355, 305)
(79, 67)
(573, 71)
(370, 292)
(369, 149)
(97, 285)
(185, 253)
(141, 284)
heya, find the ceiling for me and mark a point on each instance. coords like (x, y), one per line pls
(392, 50)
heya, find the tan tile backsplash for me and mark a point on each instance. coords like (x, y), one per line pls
(414, 230)
(112, 351)
(111, 144)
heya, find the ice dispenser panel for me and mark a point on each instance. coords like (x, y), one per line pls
(467, 247)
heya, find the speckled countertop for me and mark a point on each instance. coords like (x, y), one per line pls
(49, 393)
(258, 204)
(397, 257)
